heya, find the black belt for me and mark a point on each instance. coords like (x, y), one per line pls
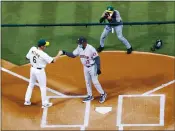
(37, 68)
(89, 66)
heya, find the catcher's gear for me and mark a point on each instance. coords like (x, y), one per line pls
(106, 15)
(102, 19)
(98, 71)
(157, 45)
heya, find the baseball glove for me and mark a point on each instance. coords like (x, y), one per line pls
(104, 17)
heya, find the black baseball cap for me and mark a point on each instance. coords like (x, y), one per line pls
(81, 40)
(43, 42)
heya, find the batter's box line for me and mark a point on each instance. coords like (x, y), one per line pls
(119, 110)
(82, 127)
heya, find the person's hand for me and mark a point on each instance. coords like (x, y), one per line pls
(109, 17)
(60, 53)
(98, 71)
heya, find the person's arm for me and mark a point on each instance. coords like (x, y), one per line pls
(56, 58)
(69, 54)
(29, 54)
(103, 17)
(97, 62)
(73, 54)
(49, 59)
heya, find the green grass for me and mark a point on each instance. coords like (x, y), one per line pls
(17, 41)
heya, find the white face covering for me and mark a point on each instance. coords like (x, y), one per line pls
(81, 46)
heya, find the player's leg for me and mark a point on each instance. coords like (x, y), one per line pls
(95, 81)
(41, 77)
(118, 29)
(88, 85)
(30, 87)
(104, 34)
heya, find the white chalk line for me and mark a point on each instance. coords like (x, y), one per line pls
(119, 111)
(140, 125)
(82, 127)
(45, 110)
(162, 110)
(142, 95)
(159, 87)
(135, 52)
(26, 79)
(148, 93)
(87, 114)
(44, 117)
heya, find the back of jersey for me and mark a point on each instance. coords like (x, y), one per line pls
(38, 58)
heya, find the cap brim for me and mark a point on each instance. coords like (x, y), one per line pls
(109, 11)
(47, 43)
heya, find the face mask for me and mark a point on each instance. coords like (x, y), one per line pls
(81, 46)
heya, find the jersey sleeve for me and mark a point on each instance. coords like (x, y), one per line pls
(117, 16)
(29, 53)
(76, 52)
(47, 58)
(94, 52)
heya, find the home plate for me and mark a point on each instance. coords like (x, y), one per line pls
(103, 110)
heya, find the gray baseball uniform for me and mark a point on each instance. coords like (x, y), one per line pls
(118, 29)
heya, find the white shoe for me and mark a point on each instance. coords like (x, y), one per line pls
(27, 103)
(47, 105)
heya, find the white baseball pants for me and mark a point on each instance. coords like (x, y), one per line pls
(40, 76)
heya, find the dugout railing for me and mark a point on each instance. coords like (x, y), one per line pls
(89, 24)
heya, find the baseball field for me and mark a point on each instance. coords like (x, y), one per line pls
(17, 41)
(140, 86)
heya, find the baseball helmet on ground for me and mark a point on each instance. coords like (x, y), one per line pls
(157, 45)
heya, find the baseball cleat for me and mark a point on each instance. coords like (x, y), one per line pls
(88, 98)
(27, 103)
(47, 105)
(102, 97)
(99, 49)
(129, 51)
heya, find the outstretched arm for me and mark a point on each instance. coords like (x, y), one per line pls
(69, 54)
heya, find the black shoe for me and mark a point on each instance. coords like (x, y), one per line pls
(88, 98)
(99, 49)
(129, 51)
(102, 97)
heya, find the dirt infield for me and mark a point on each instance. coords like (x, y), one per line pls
(7, 64)
(121, 75)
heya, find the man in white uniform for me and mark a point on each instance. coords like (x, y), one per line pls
(113, 16)
(38, 60)
(91, 62)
